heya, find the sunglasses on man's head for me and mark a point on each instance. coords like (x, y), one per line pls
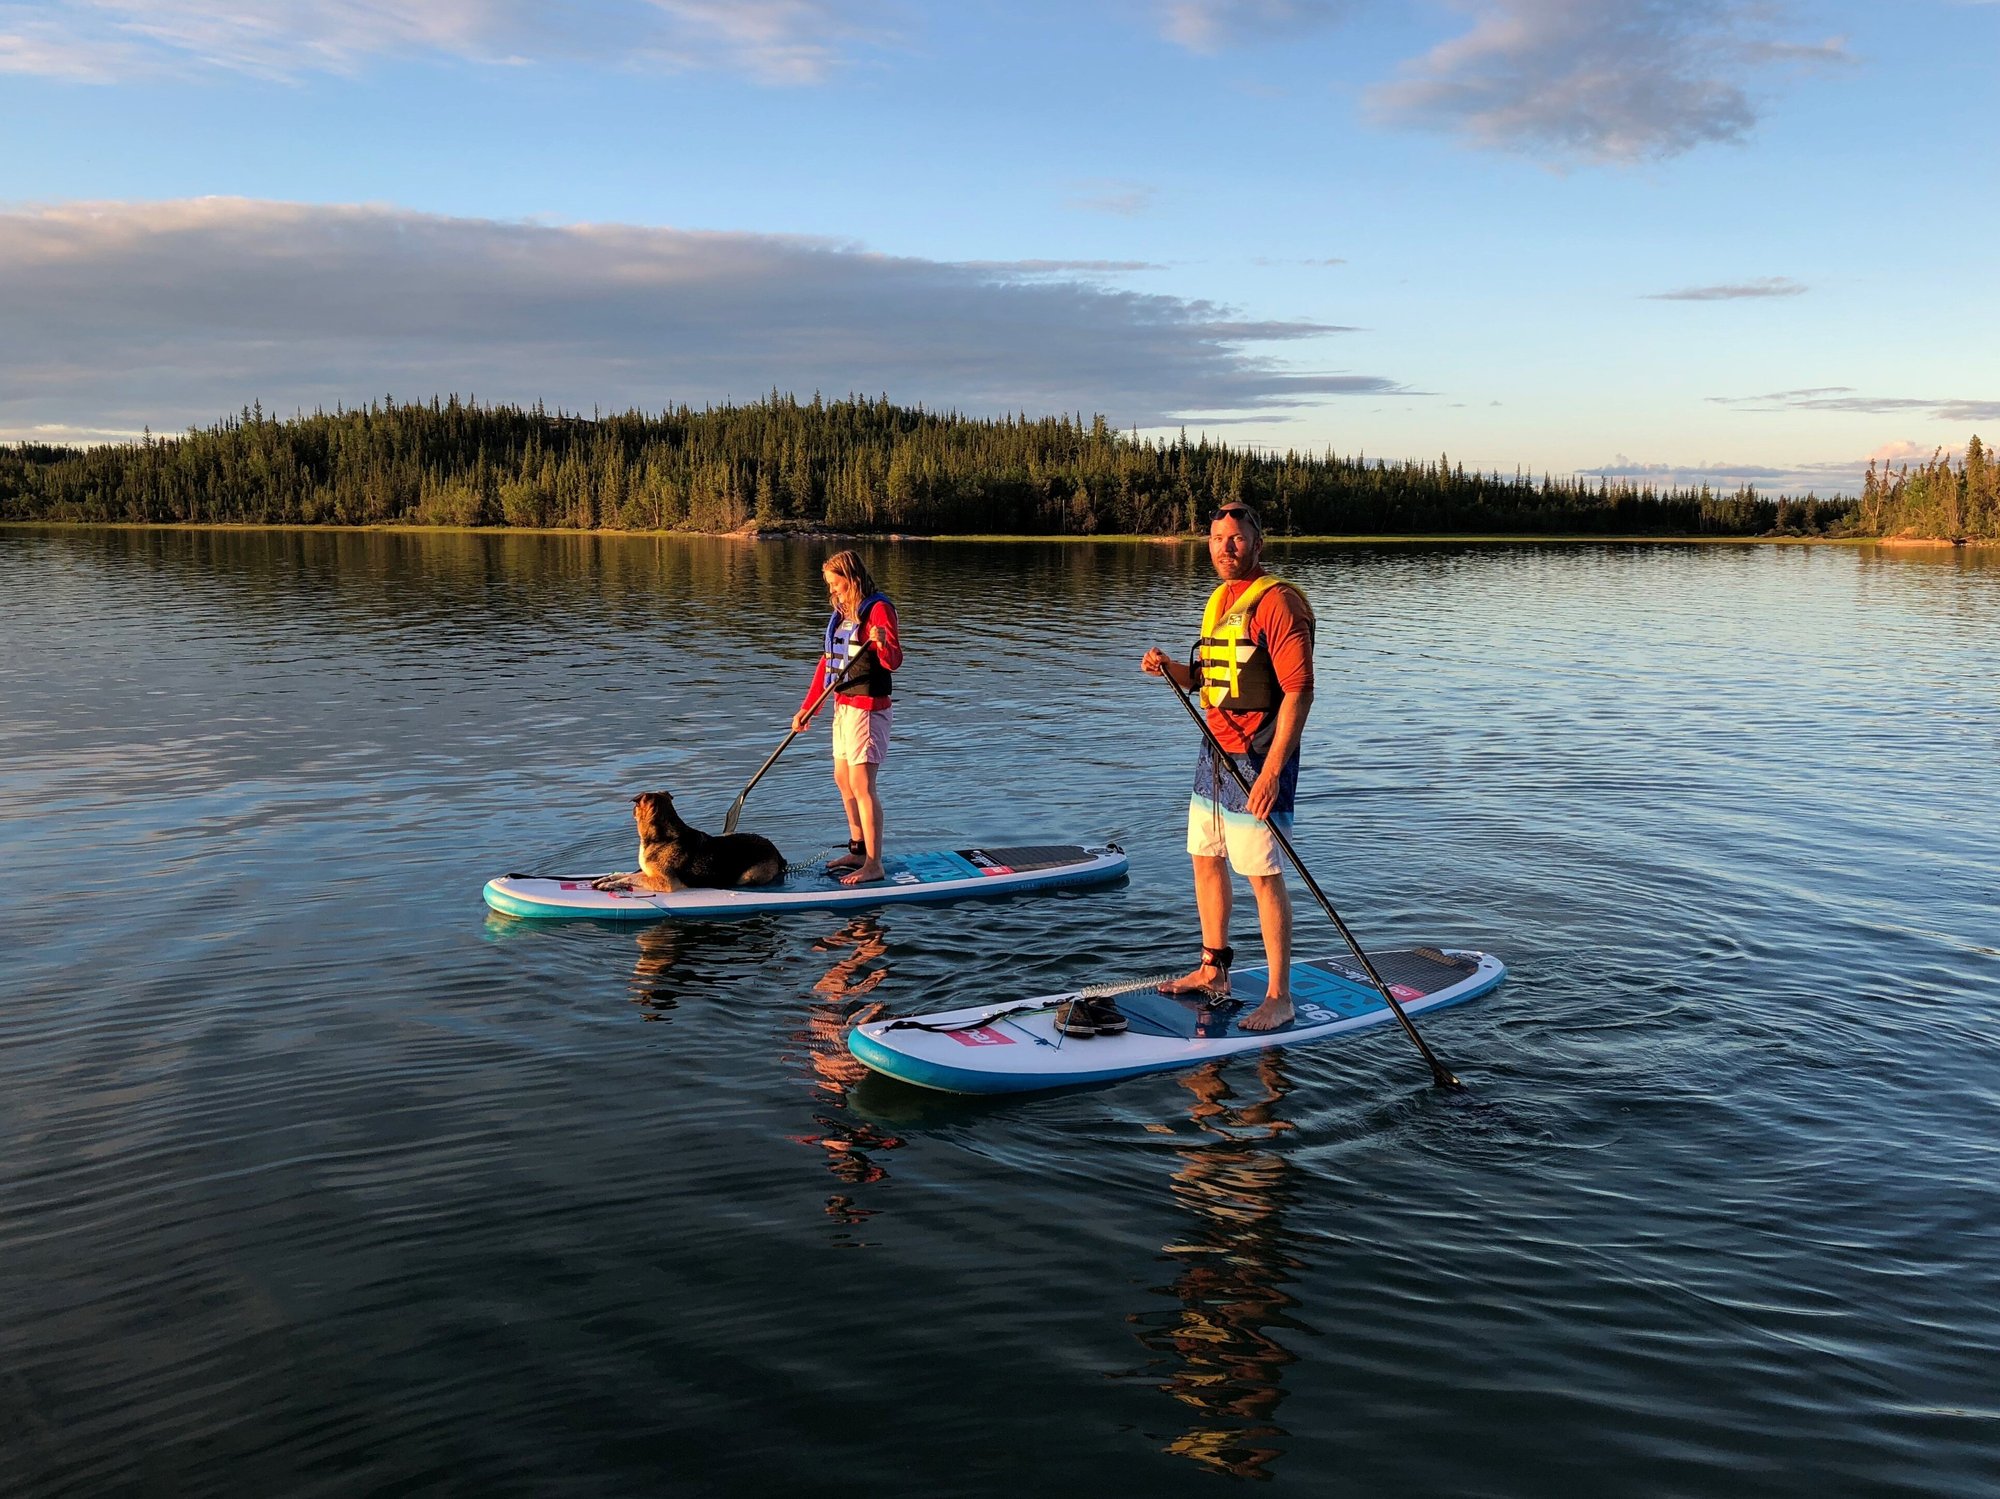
(1236, 512)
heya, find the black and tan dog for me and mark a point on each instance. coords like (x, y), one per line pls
(675, 856)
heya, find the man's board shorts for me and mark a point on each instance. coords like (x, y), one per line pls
(860, 735)
(1219, 823)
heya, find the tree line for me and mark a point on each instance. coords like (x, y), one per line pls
(1936, 498)
(855, 464)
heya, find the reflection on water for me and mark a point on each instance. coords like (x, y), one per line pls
(327, 1181)
(1234, 1266)
(659, 949)
(840, 1002)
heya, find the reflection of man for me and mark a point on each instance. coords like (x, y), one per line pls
(1230, 1362)
(1253, 666)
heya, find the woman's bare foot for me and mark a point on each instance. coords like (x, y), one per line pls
(851, 859)
(1208, 979)
(867, 874)
(1273, 1014)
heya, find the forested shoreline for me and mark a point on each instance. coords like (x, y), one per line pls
(852, 465)
(1934, 499)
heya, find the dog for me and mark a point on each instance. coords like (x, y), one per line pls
(675, 856)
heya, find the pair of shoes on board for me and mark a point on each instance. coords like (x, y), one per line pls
(1084, 1018)
(854, 858)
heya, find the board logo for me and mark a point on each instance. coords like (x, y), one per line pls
(1405, 993)
(980, 1035)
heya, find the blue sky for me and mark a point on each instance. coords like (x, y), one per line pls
(1719, 239)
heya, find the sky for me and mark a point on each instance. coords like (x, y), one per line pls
(1671, 240)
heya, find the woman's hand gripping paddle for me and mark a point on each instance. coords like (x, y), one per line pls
(846, 678)
(1440, 1074)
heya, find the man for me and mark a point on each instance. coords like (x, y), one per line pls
(1253, 667)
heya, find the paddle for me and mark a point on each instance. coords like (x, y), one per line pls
(846, 678)
(1440, 1074)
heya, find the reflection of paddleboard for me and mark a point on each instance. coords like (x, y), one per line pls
(943, 875)
(1015, 1048)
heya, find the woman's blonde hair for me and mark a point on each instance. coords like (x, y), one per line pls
(849, 565)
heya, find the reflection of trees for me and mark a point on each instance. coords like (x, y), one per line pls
(841, 1002)
(1233, 1270)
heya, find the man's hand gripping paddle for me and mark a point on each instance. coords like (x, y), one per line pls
(1440, 1074)
(848, 676)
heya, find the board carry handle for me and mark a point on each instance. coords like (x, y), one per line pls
(1441, 1075)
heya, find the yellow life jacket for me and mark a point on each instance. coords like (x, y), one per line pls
(1234, 672)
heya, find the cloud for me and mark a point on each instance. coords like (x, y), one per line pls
(120, 315)
(1063, 267)
(773, 41)
(1904, 451)
(1843, 398)
(1836, 478)
(1211, 25)
(1125, 200)
(1597, 80)
(1763, 286)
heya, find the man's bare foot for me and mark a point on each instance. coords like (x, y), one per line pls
(867, 874)
(1273, 1014)
(1208, 979)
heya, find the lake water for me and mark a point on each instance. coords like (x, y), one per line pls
(320, 1179)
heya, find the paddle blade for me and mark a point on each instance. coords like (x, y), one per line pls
(735, 811)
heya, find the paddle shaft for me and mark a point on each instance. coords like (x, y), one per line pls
(1440, 1074)
(843, 679)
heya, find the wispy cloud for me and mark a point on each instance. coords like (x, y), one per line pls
(1598, 80)
(1211, 25)
(118, 315)
(773, 41)
(1844, 398)
(1125, 200)
(1733, 291)
(1063, 267)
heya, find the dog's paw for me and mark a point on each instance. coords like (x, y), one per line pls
(612, 882)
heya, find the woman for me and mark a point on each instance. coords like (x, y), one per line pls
(861, 650)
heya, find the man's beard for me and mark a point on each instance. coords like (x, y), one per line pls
(1229, 569)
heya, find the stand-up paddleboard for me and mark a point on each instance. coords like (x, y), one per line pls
(1016, 1048)
(949, 874)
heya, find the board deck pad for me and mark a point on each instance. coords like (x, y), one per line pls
(1015, 1047)
(926, 875)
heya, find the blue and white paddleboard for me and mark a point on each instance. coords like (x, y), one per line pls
(950, 874)
(1016, 1048)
